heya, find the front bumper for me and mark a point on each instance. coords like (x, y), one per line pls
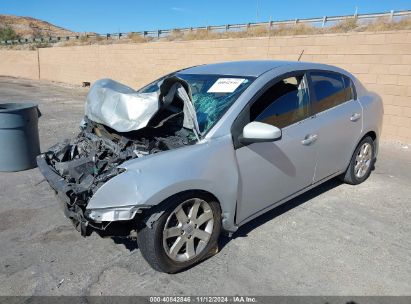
(88, 220)
(63, 189)
(59, 184)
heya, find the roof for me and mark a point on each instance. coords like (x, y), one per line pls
(252, 68)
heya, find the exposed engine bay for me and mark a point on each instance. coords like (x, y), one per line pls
(92, 158)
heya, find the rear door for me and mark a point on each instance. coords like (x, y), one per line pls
(339, 116)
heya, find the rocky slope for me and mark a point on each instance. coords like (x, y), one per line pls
(28, 27)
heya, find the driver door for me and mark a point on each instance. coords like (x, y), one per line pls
(272, 171)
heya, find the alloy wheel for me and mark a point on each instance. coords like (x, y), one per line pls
(188, 230)
(363, 160)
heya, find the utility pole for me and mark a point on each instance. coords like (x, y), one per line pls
(256, 12)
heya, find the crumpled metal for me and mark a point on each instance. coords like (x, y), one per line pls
(123, 109)
(120, 107)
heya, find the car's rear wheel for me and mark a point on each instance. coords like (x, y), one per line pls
(361, 163)
(185, 233)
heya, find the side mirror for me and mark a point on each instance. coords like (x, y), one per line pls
(256, 131)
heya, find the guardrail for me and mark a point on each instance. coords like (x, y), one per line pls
(321, 21)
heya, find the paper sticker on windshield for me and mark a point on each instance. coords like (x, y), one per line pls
(225, 85)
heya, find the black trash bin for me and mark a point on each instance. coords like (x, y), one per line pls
(19, 136)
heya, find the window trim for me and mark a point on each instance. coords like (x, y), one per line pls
(243, 118)
(313, 96)
(352, 84)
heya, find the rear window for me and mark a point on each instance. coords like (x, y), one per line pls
(349, 88)
(330, 89)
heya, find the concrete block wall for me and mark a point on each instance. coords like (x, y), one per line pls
(381, 60)
(19, 64)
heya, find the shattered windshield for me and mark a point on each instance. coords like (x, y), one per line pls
(212, 95)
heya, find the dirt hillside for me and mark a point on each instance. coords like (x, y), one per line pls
(28, 27)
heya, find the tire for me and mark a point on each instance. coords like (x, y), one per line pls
(351, 176)
(156, 244)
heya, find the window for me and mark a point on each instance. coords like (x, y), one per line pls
(331, 89)
(209, 104)
(349, 89)
(283, 104)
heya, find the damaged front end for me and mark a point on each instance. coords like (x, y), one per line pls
(77, 168)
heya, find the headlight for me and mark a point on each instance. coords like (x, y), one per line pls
(112, 214)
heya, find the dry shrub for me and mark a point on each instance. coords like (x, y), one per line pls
(96, 39)
(234, 34)
(175, 35)
(19, 47)
(70, 42)
(347, 25)
(385, 24)
(201, 34)
(27, 46)
(258, 31)
(252, 31)
(84, 38)
(296, 29)
(136, 38)
(88, 39)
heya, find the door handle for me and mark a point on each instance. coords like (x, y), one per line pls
(355, 117)
(309, 139)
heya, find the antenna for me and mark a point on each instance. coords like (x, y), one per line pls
(301, 54)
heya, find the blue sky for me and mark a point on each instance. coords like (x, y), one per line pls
(104, 16)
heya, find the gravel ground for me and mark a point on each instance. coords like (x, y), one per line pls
(334, 240)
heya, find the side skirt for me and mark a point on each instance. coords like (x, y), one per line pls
(286, 199)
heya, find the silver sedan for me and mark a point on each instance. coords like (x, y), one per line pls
(223, 144)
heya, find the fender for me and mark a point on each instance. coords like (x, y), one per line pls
(149, 180)
(373, 112)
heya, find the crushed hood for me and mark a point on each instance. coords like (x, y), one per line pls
(119, 106)
(123, 109)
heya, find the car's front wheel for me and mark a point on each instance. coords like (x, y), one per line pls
(185, 233)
